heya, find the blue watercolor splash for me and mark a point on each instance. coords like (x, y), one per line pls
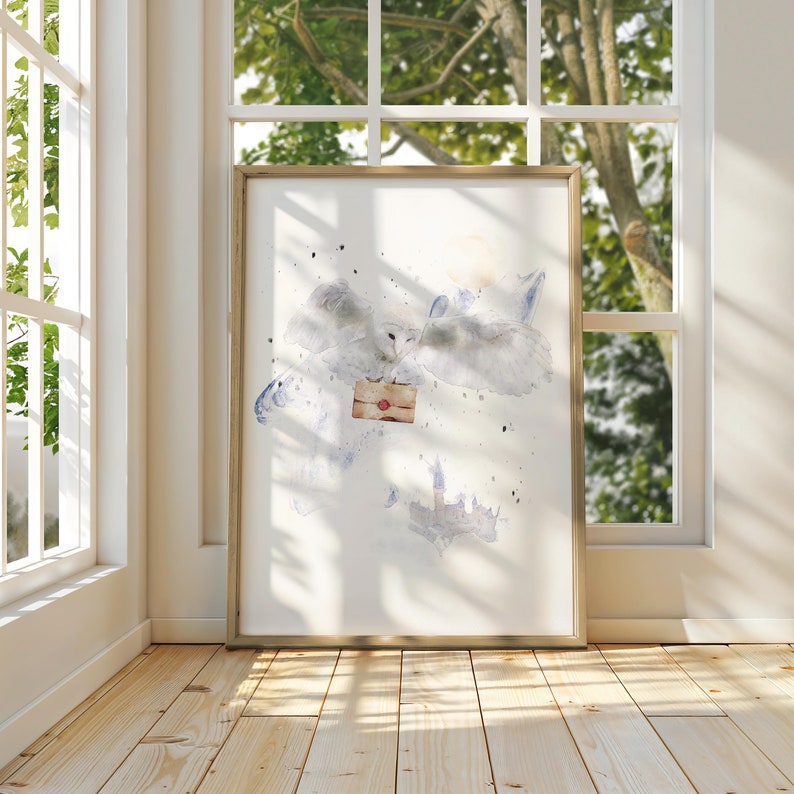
(439, 307)
(393, 497)
(529, 294)
(275, 395)
(461, 302)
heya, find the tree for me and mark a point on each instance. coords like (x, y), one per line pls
(17, 271)
(474, 52)
(17, 274)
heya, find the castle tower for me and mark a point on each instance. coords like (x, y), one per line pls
(439, 486)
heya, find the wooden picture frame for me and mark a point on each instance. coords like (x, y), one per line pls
(406, 438)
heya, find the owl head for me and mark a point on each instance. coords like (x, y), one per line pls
(396, 331)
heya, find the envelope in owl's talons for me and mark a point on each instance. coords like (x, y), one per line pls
(385, 402)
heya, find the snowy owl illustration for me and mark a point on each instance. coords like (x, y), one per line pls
(395, 344)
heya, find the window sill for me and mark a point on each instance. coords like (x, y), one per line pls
(54, 574)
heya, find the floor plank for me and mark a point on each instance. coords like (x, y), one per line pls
(176, 753)
(442, 745)
(717, 757)
(86, 753)
(531, 748)
(618, 744)
(656, 683)
(435, 722)
(776, 662)
(263, 755)
(755, 704)
(355, 745)
(294, 686)
(17, 763)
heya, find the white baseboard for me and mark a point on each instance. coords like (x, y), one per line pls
(617, 630)
(23, 728)
(690, 630)
(188, 630)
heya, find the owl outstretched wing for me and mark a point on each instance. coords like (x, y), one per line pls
(333, 315)
(484, 351)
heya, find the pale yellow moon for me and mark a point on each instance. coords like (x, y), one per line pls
(472, 262)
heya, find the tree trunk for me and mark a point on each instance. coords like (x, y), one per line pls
(511, 33)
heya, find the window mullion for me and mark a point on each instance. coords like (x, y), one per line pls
(3, 313)
(533, 82)
(35, 293)
(631, 321)
(374, 83)
(35, 439)
(3, 427)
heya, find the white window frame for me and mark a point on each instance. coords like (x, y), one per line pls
(72, 71)
(690, 319)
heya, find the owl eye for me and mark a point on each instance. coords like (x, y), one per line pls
(392, 337)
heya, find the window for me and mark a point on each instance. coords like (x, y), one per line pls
(613, 86)
(45, 293)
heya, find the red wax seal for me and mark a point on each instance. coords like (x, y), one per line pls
(384, 405)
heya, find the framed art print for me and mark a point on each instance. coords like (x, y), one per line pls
(406, 426)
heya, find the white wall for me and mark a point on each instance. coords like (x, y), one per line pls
(59, 645)
(741, 589)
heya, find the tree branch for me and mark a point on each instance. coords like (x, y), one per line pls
(388, 19)
(334, 75)
(570, 52)
(421, 144)
(609, 52)
(397, 97)
(592, 63)
(348, 87)
(511, 33)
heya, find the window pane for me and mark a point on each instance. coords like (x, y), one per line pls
(51, 33)
(320, 58)
(18, 10)
(16, 444)
(17, 173)
(592, 59)
(50, 465)
(453, 53)
(52, 255)
(627, 211)
(628, 428)
(463, 142)
(300, 143)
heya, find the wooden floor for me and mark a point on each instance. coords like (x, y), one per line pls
(633, 719)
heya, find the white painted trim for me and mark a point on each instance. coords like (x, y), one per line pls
(188, 630)
(24, 727)
(626, 113)
(631, 321)
(690, 630)
(27, 44)
(374, 42)
(49, 312)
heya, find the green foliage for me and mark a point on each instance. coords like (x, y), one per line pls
(628, 429)
(302, 143)
(269, 53)
(17, 529)
(443, 53)
(17, 270)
